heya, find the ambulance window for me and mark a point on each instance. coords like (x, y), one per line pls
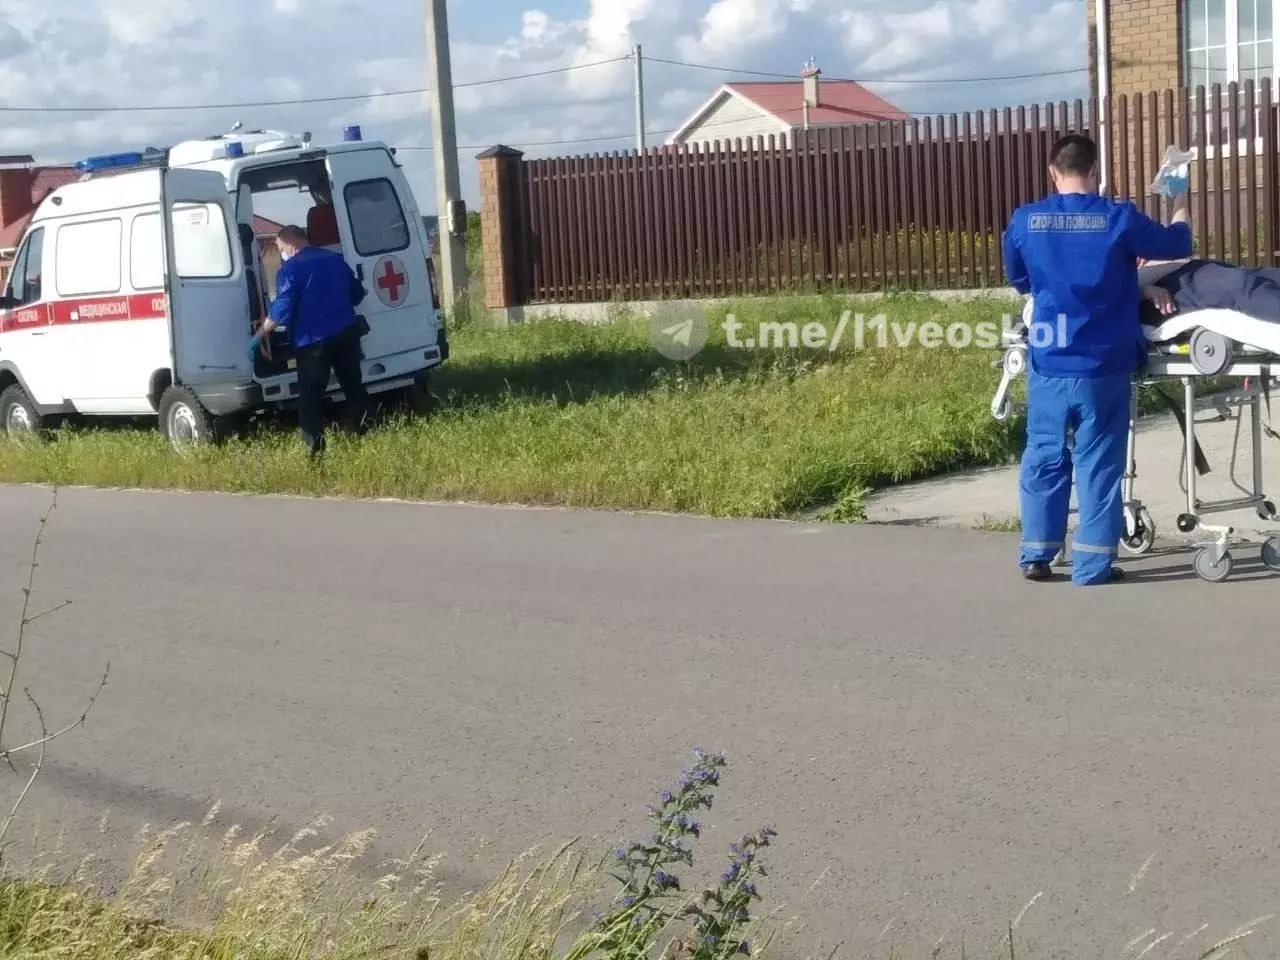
(88, 258)
(377, 219)
(201, 244)
(24, 280)
(146, 253)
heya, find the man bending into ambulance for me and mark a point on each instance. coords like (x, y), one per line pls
(316, 297)
(1077, 253)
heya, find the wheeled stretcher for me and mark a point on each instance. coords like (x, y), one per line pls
(1193, 348)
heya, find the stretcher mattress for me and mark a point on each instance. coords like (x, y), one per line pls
(1249, 332)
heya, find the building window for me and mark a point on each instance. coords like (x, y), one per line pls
(1228, 41)
(1225, 42)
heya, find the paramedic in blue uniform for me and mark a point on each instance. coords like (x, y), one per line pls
(1076, 253)
(316, 297)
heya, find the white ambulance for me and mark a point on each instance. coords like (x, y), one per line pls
(135, 289)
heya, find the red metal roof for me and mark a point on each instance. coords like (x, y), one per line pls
(11, 235)
(44, 181)
(262, 227)
(49, 179)
(839, 102)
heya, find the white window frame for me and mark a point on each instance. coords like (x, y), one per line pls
(1231, 30)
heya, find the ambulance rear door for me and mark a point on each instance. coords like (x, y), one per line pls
(205, 284)
(382, 238)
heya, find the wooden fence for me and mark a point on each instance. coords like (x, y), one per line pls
(914, 204)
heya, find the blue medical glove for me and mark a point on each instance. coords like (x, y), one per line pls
(1177, 185)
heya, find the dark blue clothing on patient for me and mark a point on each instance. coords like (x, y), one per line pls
(1212, 284)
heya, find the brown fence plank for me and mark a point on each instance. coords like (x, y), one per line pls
(852, 205)
(1139, 148)
(1219, 174)
(1270, 148)
(985, 177)
(1233, 109)
(1251, 173)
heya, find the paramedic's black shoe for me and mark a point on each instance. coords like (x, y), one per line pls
(1037, 572)
(1115, 576)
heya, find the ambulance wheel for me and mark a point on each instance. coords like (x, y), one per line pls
(185, 422)
(18, 414)
(1208, 569)
(1144, 534)
(1267, 510)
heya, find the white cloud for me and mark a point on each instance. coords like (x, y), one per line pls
(96, 52)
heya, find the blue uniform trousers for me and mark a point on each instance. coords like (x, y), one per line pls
(1098, 411)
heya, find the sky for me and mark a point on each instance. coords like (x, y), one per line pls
(62, 61)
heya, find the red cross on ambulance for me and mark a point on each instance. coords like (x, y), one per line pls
(390, 281)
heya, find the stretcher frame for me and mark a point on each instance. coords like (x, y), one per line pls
(1205, 354)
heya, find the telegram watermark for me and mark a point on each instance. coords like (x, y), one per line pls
(682, 334)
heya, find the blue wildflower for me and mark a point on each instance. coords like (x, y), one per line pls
(665, 881)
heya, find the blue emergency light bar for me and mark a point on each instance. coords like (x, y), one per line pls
(351, 134)
(119, 161)
(110, 161)
(235, 149)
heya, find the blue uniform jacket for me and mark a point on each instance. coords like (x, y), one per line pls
(316, 296)
(1076, 254)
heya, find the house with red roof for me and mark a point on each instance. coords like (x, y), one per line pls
(755, 111)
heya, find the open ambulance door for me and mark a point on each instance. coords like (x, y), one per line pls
(256, 282)
(380, 230)
(208, 298)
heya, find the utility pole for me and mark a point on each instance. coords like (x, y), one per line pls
(452, 212)
(639, 58)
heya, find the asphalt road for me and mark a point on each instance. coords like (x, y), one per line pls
(935, 741)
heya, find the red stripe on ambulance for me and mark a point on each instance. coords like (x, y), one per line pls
(138, 306)
(141, 306)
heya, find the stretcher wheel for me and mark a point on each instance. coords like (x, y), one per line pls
(1144, 534)
(1015, 360)
(1059, 558)
(1210, 569)
(1187, 523)
(1210, 352)
(1271, 554)
(1002, 411)
(1267, 510)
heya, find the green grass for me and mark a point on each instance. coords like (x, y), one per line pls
(561, 413)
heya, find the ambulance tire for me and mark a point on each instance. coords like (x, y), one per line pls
(184, 421)
(18, 415)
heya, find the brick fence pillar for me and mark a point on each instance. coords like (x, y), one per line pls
(502, 230)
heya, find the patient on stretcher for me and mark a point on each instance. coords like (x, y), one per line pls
(1187, 285)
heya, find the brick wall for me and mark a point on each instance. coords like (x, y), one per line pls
(1145, 45)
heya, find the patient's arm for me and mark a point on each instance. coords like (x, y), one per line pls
(1162, 299)
(1181, 214)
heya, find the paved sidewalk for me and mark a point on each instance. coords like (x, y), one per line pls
(988, 498)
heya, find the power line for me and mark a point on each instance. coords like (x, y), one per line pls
(304, 101)
(147, 108)
(789, 76)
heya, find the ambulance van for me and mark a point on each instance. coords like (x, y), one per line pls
(136, 288)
